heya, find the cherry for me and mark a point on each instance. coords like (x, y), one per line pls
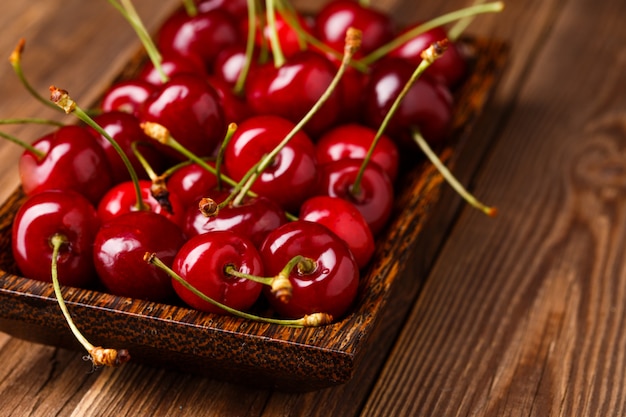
(69, 158)
(190, 183)
(343, 219)
(449, 68)
(203, 35)
(334, 19)
(288, 36)
(125, 130)
(427, 105)
(235, 107)
(229, 62)
(202, 262)
(292, 175)
(119, 248)
(374, 198)
(44, 215)
(352, 141)
(253, 219)
(172, 64)
(127, 96)
(306, 75)
(190, 108)
(329, 286)
(122, 198)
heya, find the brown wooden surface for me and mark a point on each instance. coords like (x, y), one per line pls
(519, 315)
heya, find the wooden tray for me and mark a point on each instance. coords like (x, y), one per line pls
(238, 350)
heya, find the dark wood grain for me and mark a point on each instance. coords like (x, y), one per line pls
(520, 315)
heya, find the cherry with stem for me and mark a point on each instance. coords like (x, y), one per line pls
(311, 320)
(98, 355)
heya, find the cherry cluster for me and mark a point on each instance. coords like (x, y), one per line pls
(247, 159)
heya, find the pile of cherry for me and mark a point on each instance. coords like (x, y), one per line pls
(302, 219)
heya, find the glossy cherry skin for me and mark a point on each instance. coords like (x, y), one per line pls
(343, 219)
(119, 249)
(127, 96)
(121, 199)
(334, 19)
(125, 130)
(352, 141)
(190, 183)
(190, 108)
(202, 262)
(376, 195)
(203, 35)
(235, 107)
(330, 288)
(172, 64)
(237, 8)
(427, 106)
(254, 219)
(449, 68)
(291, 90)
(287, 35)
(73, 161)
(290, 179)
(41, 217)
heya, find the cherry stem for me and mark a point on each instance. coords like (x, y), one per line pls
(288, 13)
(62, 99)
(494, 7)
(16, 62)
(281, 285)
(459, 27)
(270, 12)
(219, 159)
(450, 178)
(37, 152)
(99, 356)
(128, 11)
(31, 120)
(353, 42)
(311, 320)
(429, 55)
(250, 41)
(190, 8)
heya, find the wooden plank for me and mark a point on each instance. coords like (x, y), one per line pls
(530, 320)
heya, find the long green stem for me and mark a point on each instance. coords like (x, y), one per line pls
(277, 51)
(99, 356)
(250, 43)
(494, 7)
(31, 120)
(450, 178)
(128, 11)
(25, 145)
(429, 56)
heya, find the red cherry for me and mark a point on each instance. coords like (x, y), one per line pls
(330, 288)
(190, 109)
(352, 141)
(291, 90)
(252, 219)
(122, 198)
(449, 68)
(345, 220)
(41, 217)
(73, 160)
(235, 108)
(229, 62)
(119, 249)
(202, 262)
(334, 19)
(190, 183)
(288, 37)
(125, 130)
(427, 106)
(127, 96)
(290, 179)
(203, 35)
(375, 196)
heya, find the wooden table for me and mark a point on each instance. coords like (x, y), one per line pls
(523, 314)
